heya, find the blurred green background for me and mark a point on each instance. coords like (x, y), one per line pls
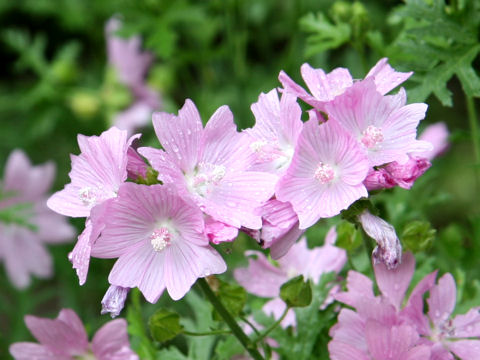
(55, 83)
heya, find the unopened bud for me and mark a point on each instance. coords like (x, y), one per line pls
(114, 300)
(388, 249)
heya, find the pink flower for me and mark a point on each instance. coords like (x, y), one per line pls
(26, 224)
(326, 173)
(96, 176)
(435, 331)
(131, 65)
(383, 125)
(299, 260)
(325, 87)
(64, 338)
(210, 166)
(277, 127)
(159, 241)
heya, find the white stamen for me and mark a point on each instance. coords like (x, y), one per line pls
(160, 239)
(324, 173)
(371, 136)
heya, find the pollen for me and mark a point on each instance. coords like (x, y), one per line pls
(324, 173)
(160, 238)
(87, 196)
(371, 136)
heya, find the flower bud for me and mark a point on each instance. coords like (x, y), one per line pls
(114, 300)
(388, 249)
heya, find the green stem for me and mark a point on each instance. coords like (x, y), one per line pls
(228, 318)
(207, 333)
(472, 118)
(250, 324)
(272, 327)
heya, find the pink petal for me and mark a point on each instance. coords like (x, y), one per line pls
(467, 325)
(275, 308)
(180, 135)
(168, 172)
(342, 351)
(141, 267)
(52, 228)
(237, 195)
(268, 278)
(64, 335)
(419, 352)
(185, 263)
(358, 286)
(293, 88)
(35, 259)
(29, 351)
(136, 116)
(111, 342)
(350, 329)
(441, 302)
(384, 341)
(386, 78)
(436, 134)
(218, 232)
(283, 243)
(465, 349)
(394, 283)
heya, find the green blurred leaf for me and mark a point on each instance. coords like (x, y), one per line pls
(232, 296)
(418, 236)
(324, 34)
(348, 237)
(296, 292)
(164, 325)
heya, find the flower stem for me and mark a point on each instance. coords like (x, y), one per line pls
(472, 118)
(272, 327)
(228, 318)
(207, 333)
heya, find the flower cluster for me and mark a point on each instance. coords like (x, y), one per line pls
(379, 327)
(65, 338)
(26, 224)
(209, 182)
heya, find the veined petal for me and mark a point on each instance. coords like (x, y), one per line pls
(386, 78)
(441, 302)
(180, 135)
(465, 349)
(111, 342)
(185, 263)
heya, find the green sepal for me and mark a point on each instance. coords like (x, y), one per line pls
(418, 236)
(296, 292)
(164, 325)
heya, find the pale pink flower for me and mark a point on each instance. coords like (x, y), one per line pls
(325, 87)
(96, 176)
(26, 224)
(210, 166)
(383, 125)
(159, 241)
(131, 65)
(299, 260)
(436, 330)
(277, 127)
(325, 175)
(388, 249)
(64, 338)
(459, 335)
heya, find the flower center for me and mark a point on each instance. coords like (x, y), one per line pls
(88, 196)
(371, 136)
(208, 175)
(324, 173)
(160, 238)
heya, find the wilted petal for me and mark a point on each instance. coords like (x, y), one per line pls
(114, 300)
(389, 249)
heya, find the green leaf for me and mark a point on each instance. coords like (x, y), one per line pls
(165, 325)
(232, 296)
(418, 236)
(172, 353)
(324, 34)
(348, 237)
(296, 292)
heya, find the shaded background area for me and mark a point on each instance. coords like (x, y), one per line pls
(55, 83)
